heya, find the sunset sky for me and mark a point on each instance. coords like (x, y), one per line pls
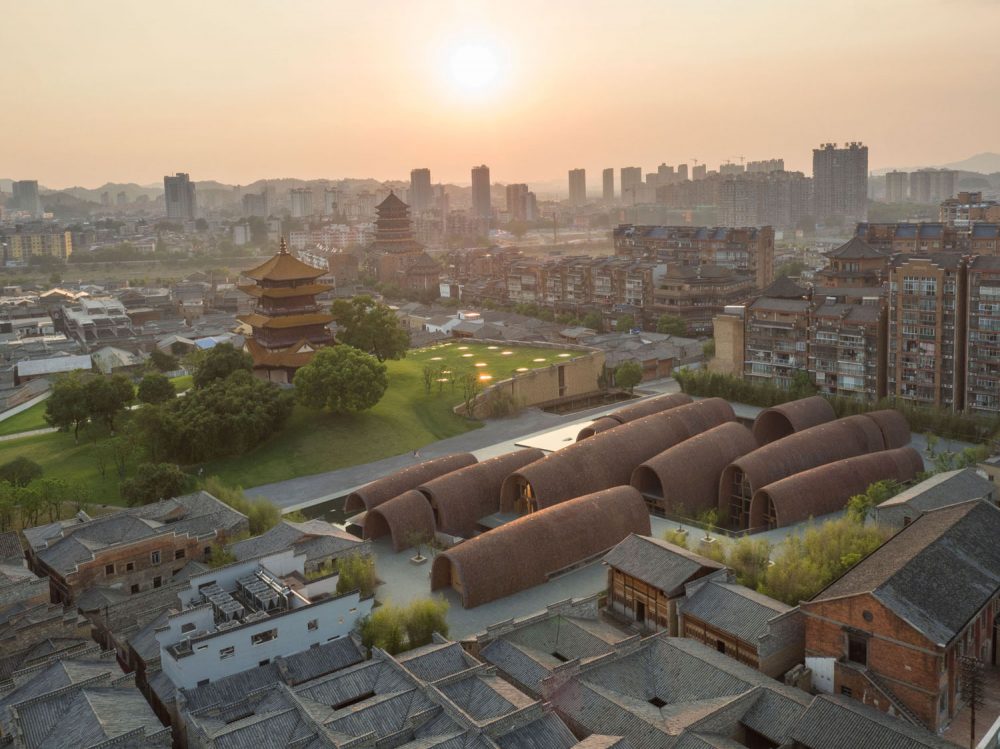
(245, 89)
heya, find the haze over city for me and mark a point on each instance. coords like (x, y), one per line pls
(238, 91)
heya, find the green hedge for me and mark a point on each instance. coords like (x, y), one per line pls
(958, 426)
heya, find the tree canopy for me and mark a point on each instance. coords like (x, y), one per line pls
(153, 482)
(156, 388)
(628, 374)
(624, 324)
(67, 408)
(341, 379)
(20, 471)
(163, 361)
(671, 325)
(371, 327)
(217, 363)
(225, 417)
(107, 397)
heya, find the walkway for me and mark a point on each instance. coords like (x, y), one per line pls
(24, 406)
(29, 433)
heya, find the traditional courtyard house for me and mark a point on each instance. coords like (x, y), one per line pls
(940, 490)
(132, 550)
(891, 632)
(748, 626)
(287, 322)
(322, 544)
(646, 579)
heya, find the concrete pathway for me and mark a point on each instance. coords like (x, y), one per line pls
(24, 406)
(29, 433)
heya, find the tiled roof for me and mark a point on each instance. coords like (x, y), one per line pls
(663, 565)
(732, 608)
(835, 722)
(916, 572)
(316, 538)
(62, 546)
(856, 248)
(942, 489)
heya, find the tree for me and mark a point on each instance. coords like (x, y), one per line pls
(163, 361)
(217, 363)
(395, 629)
(68, 407)
(226, 417)
(156, 388)
(20, 471)
(423, 618)
(625, 323)
(749, 558)
(671, 325)
(107, 397)
(356, 572)
(628, 374)
(471, 387)
(153, 482)
(262, 514)
(594, 321)
(371, 327)
(860, 507)
(341, 379)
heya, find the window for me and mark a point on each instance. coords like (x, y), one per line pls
(134, 589)
(190, 626)
(227, 652)
(157, 582)
(312, 625)
(846, 691)
(266, 636)
(109, 569)
(154, 557)
(857, 649)
(179, 554)
(129, 566)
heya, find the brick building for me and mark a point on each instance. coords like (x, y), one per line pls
(745, 249)
(776, 336)
(130, 551)
(927, 330)
(982, 374)
(845, 345)
(696, 295)
(891, 631)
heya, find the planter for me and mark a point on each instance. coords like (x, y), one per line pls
(418, 560)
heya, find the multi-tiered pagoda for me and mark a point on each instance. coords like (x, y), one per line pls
(396, 257)
(288, 325)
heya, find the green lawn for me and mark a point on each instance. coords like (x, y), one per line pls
(182, 383)
(407, 418)
(31, 418)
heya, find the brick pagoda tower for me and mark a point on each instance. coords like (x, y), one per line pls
(396, 257)
(288, 325)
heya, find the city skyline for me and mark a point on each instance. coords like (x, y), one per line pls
(255, 92)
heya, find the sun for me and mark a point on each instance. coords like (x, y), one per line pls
(474, 66)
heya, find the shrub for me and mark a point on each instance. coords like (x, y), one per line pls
(356, 572)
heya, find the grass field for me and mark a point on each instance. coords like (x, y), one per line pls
(406, 418)
(30, 418)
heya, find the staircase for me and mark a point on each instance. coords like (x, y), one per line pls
(900, 707)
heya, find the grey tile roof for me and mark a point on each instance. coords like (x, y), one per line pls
(733, 608)
(835, 722)
(63, 546)
(943, 489)
(10, 547)
(658, 563)
(916, 572)
(317, 539)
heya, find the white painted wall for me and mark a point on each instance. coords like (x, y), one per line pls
(334, 617)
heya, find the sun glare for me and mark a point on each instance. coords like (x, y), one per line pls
(474, 66)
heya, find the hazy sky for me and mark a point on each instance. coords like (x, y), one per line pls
(243, 89)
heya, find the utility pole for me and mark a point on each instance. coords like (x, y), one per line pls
(971, 683)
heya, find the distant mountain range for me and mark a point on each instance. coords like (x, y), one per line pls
(984, 163)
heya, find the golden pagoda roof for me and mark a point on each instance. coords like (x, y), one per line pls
(295, 356)
(258, 320)
(284, 292)
(283, 267)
